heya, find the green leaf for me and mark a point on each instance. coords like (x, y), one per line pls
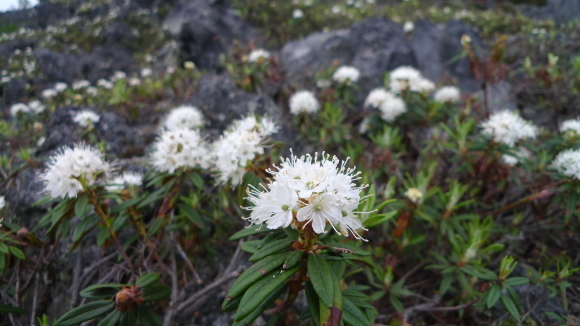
(128, 319)
(445, 284)
(352, 315)
(147, 317)
(517, 280)
(343, 247)
(397, 304)
(251, 246)
(378, 219)
(155, 292)
(251, 230)
(483, 274)
(151, 198)
(292, 259)
(231, 305)
(82, 206)
(147, 279)
(277, 235)
(103, 236)
(8, 309)
(84, 313)
(17, 252)
(493, 295)
(84, 225)
(510, 306)
(253, 274)
(126, 204)
(272, 248)
(3, 248)
(313, 302)
(268, 301)
(120, 221)
(155, 227)
(111, 319)
(322, 280)
(191, 214)
(101, 291)
(260, 290)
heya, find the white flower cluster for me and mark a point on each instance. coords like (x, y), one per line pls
(126, 179)
(508, 127)
(184, 117)
(2, 205)
(568, 163)
(180, 148)
(86, 118)
(240, 144)
(79, 84)
(68, 168)
(305, 191)
(258, 54)
(516, 157)
(303, 101)
(34, 107)
(572, 125)
(447, 94)
(408, 78)
(346, 74)
(390, 105)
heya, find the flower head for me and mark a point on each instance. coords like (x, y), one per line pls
(508, 127)
(571, 126)
(126, 179)
(408, 78)
(59, 87)
(81, 84)
(239, 144)
(392, 108)
(414, 195)
(48, 93)
(184, 117)
(377, 97)
(258, 54)
(303, 101)
(447, 94)
(15, 109)
(346, 74)
(86, 118)
(36, 107)
(180, 148)
(297, 14)
(568, 163)
(408, 27)
(308, 191)
(2, 204)
(72, 168)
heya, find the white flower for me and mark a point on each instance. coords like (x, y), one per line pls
(336, 9)
(414, 195)
(364, 126)
(81, 84)
(572, 125)
(118, 75)
(307, 191)
(36, 107)
(516, 156)
(59, 87)
(508, 127)
(49, 93)
(392, 108)
(180, 148)
(86, 118)
(2, 203)
(377, 97)
(447, 94)
(15, 109)
(345, 74)
(408, 78)
(239, 144)
(303, 101)
(408, 27)
(568, 163)
(146, 72)
(184, 117)
(105, 84)
(69, 167)
(133, 81)
(297, 13)
(92, 91)
(323, 83)
(422, 85)
(126, 179)
(258, 54)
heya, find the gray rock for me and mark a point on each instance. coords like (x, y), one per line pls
(425, 45)
(205, 29)
(560, 11)
(122, 140)
(55, 66)
(105, 61)
(14, 91)
(118, 33)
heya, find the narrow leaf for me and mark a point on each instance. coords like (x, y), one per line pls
(251, 230)
(156, 292)
(111, 319)
(82, 206)
(87, 312)
(493, 295)
(510, 306)
(272, 248)
(147, 279)
(320, 275)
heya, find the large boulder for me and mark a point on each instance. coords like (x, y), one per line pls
(57, 67)
(105, 61)
(205, 29)
(121, 139)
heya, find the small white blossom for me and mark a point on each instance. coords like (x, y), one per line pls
(568, 163)
(447, 94)
(516, 156)
(422, 85)
(59, 87)
(303, 101)
(2, 204)
(392, 108)
(377, 97)
(346, 74)
(414, 195)
(105, 84)
(323, 83)
(181, 148)
(184, 117)
(508, 127)
(92, 91)
(408, 78)
(36, 107)
(572, 125)
(69, 167)
(336, 9)
(408, 27)
(133, 81)
(49, 93)
(258, 54)
(146, 72)
(118, 75)
(15, 109)
(86, 118)
(239, 144)
(126, 179)
(307, 191)
(81, 84)
(297, 14)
